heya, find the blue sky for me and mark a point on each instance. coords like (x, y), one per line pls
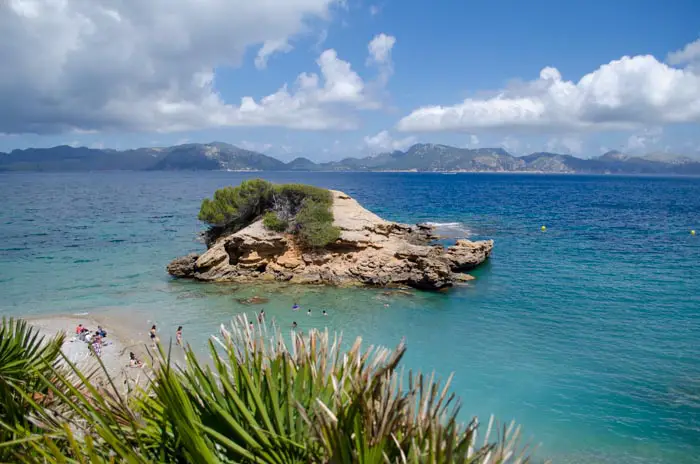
(87, 72)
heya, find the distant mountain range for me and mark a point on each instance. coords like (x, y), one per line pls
(422, 157)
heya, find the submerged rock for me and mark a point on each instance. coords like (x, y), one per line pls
(370, 251)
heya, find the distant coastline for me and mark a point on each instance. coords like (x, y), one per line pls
(424, 158)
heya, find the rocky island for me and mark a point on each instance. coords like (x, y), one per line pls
(306, 235)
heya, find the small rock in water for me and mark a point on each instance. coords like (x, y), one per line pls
(253, 300)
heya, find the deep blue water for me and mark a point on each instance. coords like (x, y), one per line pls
(586, 334)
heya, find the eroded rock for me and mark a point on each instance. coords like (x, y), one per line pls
(370, 251)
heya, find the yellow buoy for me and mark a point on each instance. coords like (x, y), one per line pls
(692, 232)
(543, 228)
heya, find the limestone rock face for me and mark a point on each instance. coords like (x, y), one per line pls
(184, 266)
(370, 251)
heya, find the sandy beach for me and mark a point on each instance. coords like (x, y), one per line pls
(117, 345)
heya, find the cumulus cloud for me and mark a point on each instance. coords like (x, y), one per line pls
(567, 145)
(380, 55)
(627, 93)
(511, 144)
(644, 140)
(688, 54)
(383, 142)
(149, 65)
(270, 47)
(380, 48)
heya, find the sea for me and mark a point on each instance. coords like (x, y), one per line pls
(587, 334)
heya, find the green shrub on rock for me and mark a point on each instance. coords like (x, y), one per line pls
(315, 224)
(272, 222)
(233, 206)
(305, 207)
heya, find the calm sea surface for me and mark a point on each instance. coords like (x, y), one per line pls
(587, 334)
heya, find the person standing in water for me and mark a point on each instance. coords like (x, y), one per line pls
(152, 334)
(308, 313)
(294, 325)
(178, 335)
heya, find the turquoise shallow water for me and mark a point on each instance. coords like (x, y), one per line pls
(587, 335)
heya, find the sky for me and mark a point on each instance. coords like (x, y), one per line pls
(327, 79)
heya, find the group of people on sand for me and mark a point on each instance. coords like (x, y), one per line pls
(94, 339)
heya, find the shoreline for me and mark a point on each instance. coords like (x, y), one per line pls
(121, 339)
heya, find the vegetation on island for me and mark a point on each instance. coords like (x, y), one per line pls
(302, 210)
(255, 401)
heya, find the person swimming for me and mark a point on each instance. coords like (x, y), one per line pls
(295, 307)
(294, 325)
(325, 313)
(261, 316)
(308, 313)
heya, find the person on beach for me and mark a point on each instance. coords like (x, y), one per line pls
(178, 336)
(79, 329)
(153, 335)
(133, 362)
(96, 342)
(101, 331)
(295, 307)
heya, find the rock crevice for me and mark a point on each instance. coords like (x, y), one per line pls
(370, 251)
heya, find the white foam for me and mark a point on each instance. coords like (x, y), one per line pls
(450, 229)
(444, 224)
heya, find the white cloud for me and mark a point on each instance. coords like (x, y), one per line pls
(374, 10)
(342, 83)
(380, 55)
(689, 54)
(567, 145)
(149, 65)
(624, 94)
(644, 140)
(255, 146)
(270, 47)
(380, 48)
(511, 144)
(383, 141)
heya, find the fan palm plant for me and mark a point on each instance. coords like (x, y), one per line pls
(267, 398)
